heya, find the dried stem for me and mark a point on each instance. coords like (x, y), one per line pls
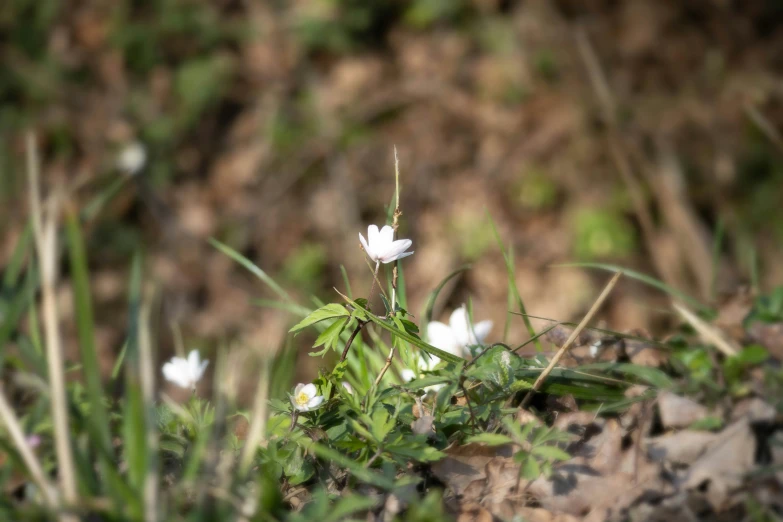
(147, 375)
(14, 428)
(45, 233)
(574, 334)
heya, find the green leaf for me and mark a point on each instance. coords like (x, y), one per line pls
(330, 337)
(245, 262)
(414, 340)
(349, 505)
(329, 311)
(551, 452)
(650, 375)
(490, 439)
(752, 355)
(86, 328)
(644, 278)
(530, 468)
(355, 468)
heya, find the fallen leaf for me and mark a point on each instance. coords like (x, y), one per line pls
(679, 412)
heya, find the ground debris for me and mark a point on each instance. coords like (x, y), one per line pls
(613, 474)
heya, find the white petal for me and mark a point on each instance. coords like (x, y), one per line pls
(441, 336)
(395, 250)
(481, 329)
(459, 326)
(176, 372)
(298, 389)
(315, 402)
(387, 236)
(365, 245)
(193, 361)
(407, 375)
(310, 390)
(373, 237)
(200, 370)
(347, 386)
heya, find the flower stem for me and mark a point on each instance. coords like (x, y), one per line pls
(374, 278)
(294, 418)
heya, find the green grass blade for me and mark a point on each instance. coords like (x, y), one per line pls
(14, 267)
(250, 266)
(512, 282)
(86, 330)
(432, 298)
(95, 205)
(133, 419)
(644, 278)
(355, 468)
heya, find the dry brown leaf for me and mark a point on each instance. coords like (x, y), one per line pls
(466, 463)
(679, 412)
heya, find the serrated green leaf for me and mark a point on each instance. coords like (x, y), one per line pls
(550, 452)
(330, 337)
(491, 439)
(329, 311)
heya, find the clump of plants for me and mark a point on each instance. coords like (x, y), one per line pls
(398, 400)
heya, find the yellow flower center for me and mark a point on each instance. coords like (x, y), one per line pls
(302, 399)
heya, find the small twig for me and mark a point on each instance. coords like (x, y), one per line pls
(359, 325)
(374, 279)
(587, 318)
(11, 422)
(708, 333)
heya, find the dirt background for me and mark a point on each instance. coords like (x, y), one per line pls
(628, 132)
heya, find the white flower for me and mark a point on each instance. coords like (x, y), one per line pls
(457, 335)
(132, 158)
(348, 387)
(305, 397)
(185, 373)
(381, 246)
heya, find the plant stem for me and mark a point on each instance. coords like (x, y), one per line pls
(359, 326)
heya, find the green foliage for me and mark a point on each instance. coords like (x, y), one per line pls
(602, 234)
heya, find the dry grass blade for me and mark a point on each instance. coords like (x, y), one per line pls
(8, 418)
(147, 375)
(258, 420)
(45, 232)
(708, 333)
(574, 334)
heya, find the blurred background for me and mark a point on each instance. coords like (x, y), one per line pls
(640, 133)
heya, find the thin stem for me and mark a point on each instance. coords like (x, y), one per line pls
(587, 318)
(294, 418)
(374, 278)
(385, 366)
(359, 326)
